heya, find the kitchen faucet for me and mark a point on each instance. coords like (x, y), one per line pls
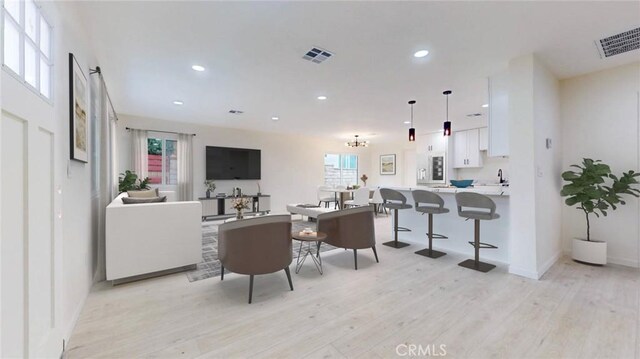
(500, 176)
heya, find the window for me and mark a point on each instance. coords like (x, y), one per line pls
(163, 160)
(340, 170)
(27, 44)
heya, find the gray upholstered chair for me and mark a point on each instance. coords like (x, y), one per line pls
(395, 201)
(429, 203)
(479, 208)
(254, 246)
(351, 228)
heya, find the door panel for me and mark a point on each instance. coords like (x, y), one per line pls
(13, 223)
(459, 149)
(41, 243)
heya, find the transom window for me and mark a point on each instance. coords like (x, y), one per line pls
(162, 159)
(27, 45)
(340, 169)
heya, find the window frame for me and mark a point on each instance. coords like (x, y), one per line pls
(20, 24)
(341, 159)
(164, 137)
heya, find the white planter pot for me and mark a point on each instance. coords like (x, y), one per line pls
(592, 252)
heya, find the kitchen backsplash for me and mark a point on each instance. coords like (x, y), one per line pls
(488, 173)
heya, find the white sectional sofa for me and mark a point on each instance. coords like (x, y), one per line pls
(151, 237)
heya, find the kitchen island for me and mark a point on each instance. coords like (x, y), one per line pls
(459, 231)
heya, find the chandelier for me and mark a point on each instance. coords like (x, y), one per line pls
(357, 143)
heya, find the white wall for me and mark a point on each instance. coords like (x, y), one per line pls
(548, 161)
(536, 206)
(522, 248)
(400, 149)
(292, 166)
(600, 121)
(72, 232)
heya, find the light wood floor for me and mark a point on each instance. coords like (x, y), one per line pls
(574, 311)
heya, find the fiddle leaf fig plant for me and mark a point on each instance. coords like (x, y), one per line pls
(595, 190)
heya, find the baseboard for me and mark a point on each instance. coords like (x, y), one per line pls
(549, 263)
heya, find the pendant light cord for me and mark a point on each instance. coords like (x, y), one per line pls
(411, 115)
(447, 108)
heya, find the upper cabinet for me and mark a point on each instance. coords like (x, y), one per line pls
(498, 144)
(466, 149)
(484, 139)
(431, 143)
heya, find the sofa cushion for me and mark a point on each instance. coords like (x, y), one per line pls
(144, 193)
(134, 200)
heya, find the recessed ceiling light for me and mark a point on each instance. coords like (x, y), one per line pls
(275, 118)
(322, 97)
(407, 122)
(179, 103)
(198, 68)
(485, 105)
(421, 53)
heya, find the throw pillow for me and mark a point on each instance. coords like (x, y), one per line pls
(134, 200)
(144, 193)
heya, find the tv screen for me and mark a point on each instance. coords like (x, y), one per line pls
(225, 163)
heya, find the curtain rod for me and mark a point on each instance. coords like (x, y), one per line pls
(99, 72)
(177, 133)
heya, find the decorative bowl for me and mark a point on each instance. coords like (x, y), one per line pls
(461, 183)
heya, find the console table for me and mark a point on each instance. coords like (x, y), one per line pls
(219, 207)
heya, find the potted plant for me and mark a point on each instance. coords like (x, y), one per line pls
(593, 189)
(128, 181)
(211, 187)
(364, 179)
(240, 204)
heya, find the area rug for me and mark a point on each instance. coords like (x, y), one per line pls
(210, 265)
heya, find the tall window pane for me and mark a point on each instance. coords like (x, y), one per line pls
(45, 85)
(11, 46)
(30, 19)
(30, 58)
(154, 148)
(171, 162)
(340, 170)
(45, 38)
(13, 8)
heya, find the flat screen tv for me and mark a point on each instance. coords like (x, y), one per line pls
(225, 163)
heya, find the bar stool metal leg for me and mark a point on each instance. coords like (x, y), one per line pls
(476, 264)
(430, 252)
(395, 243)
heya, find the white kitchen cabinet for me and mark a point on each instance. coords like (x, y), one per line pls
(484, 139)
(466, 149)
(498, 115)
(431, 143)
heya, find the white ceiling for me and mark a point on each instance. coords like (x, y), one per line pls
(253, 52)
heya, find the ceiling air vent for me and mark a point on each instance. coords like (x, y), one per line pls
(474, 115)
(236, 112)
(317, 55)
(620, 43)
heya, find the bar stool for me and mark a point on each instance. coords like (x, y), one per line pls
(429, 203)
(396, 201)
(479, 208)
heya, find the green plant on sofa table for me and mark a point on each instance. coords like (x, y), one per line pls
(128, 181)
(594, 189)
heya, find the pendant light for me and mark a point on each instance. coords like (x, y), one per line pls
(447, 123)
(412, 131)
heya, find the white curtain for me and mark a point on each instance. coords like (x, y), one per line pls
(185, 167)
(105, 167)
(139, 152)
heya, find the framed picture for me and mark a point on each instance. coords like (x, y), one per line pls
(79, 112)
(388, 164)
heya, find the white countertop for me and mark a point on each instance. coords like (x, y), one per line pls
(486, 190)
